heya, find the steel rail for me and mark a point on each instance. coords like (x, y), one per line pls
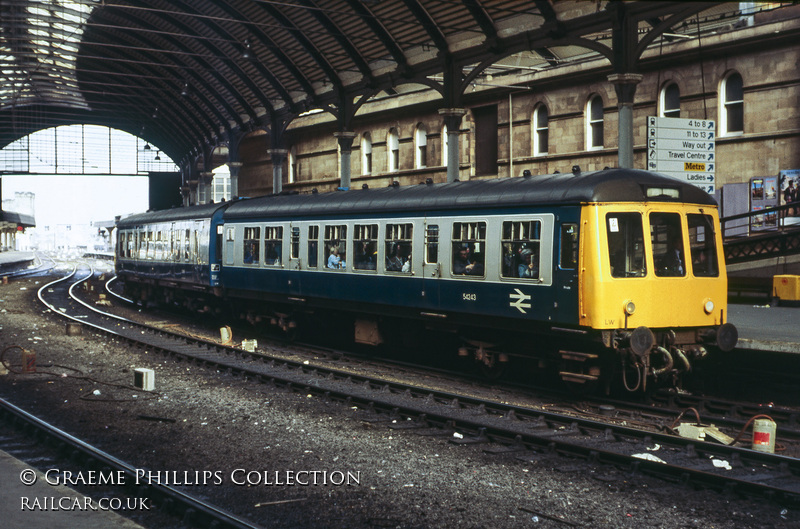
(196, 511)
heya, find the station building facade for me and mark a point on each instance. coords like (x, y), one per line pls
(743, 75)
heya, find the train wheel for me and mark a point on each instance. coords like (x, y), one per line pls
(494, 371)
(491, 361)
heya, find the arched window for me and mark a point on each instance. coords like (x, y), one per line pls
(444, 145)
(594, 123)
(366, 153)
(732, 105)
(421, 147)
(541, 131)
(393, 148)
(292, 163)
(670, 101)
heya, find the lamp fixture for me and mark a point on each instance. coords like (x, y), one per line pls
(247, 52)
(147, 146)
(157, 158)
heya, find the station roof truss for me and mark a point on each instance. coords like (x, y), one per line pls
(188, 74)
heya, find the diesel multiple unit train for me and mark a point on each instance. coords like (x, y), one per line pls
(612, 276)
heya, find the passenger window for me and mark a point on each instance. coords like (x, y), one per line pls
(398, 247)
(336, 246)
(568, 260)
(186, 242)
(703, 243)
(365, 246)
(295, 243)
(432, 244)
(469, 246)
(520, 246)
(252, 245)
(313, 246)
(625, 244)
(666, 239)
(159, 247)
(273, 245)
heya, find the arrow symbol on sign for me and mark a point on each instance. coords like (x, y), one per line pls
(653, 143)
(711, 167)
(710, 157)
(710, 178)
(710, 135)
(519, 300)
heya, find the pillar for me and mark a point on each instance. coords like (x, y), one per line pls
(205, 184)
(625, 86)
(277, 156)
(345, 140)
(234, 168)
(452, 120)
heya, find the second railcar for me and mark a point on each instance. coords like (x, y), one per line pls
(171, 256)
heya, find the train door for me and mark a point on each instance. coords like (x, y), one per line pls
(174, 250)
(196, 258)
(431, 264)
(228, 244)
(566, 273)
(216, 256)
(294, 247)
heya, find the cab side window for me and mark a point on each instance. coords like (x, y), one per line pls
(703, 245)
(666, 239)
(625, 244)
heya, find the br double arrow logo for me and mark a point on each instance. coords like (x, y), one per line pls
(518, 300)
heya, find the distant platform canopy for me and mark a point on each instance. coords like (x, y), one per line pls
(16, 219)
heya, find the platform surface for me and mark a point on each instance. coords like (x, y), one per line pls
(38, 506)
(766, 328)
(11, 258)
(14, 261)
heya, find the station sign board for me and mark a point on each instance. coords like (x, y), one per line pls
(683, 148)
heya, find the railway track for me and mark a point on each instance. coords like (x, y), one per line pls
(638, 443)
(40, 444)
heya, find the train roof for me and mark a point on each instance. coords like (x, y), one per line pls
(175, 214)
(609, 185)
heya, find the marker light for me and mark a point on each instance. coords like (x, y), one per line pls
(630, 308)
(708, 306)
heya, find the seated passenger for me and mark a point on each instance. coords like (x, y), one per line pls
(529, 263)
(366, 258)
(462, 264)
(393, 261)
(334, 261)
(273, 256)
(407, 265)
(671, 263)
(251, 254)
